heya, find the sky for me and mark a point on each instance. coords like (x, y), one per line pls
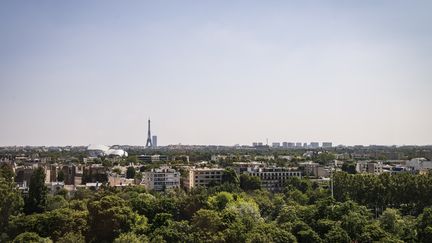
(215, 72)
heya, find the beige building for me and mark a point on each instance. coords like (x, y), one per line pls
(203, 177)
(314, 169)
(369, 167)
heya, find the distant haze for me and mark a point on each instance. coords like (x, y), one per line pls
(215, 72)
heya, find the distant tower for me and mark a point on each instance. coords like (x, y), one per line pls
(149, 143)
(154, 141)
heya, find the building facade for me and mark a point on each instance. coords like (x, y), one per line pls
(203, 177)
(161, 179)
(273, 178)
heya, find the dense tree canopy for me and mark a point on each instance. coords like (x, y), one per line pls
(37, 196)
(365, 208)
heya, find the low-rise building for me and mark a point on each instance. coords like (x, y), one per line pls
(418, 164)
(115, 180)
(369, 167)
(314, 169)
(203, 177)
(273, 178)
(161, 179)
(152, 158)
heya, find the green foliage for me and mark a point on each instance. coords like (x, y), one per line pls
(411, 193)
(174, 231)
(110, 216)
(337, 234)
(249, 183)
(324, 158)
(349, 167)
(131, 238)
(130, 172)
(6, 172)
(304, 212)
(144, 204)
(425, 225)
(230, 176)
(55, 202)
(391, 221)
(30, 237)
(72, 237)
(207, 220)
(37, 197)
(53, 224)
(60, 176)
(220, 200)
(11, 202)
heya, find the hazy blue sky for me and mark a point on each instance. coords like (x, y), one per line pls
(215, 72)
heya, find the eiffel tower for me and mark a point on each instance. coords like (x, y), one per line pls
(149, 143)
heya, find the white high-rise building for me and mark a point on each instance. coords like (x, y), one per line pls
(327, 144)
(154, 141)
(276, 145)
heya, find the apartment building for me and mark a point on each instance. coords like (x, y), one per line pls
(273, 178)
(161, 178)
(369, 167)
(203, 177)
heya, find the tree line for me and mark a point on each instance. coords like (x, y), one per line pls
(236, 211)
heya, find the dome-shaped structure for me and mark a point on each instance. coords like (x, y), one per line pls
(97, 150)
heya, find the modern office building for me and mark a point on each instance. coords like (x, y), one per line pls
(154, 141)
(203, 177)
(160, 179)
(314, 145)
(327, 144)
(276, 145)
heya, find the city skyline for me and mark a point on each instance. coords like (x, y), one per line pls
(217, 73)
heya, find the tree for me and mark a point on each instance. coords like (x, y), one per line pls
(72, 237)
(220, 200)
(324, 158)
(130, 172)
(174, 231)
(391, 221)
(230, 176)
(131, 238)
(6, 172)
(11, 202)
(60, 176)
(144, 204)
(55, 202)
(207, 221)
(110, 216)
(349, 167)
(353, 223)
(425, 225)
(337, 234)
(53, 224)
(37, 197)
(249, 183)
(308, 236)
(30, 237)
